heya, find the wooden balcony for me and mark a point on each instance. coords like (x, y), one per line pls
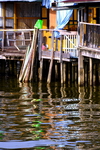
(15, 42)
(89, 42)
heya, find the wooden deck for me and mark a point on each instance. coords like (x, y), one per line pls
(11, 53)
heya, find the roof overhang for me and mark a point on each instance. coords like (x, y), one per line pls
(80, 1)
(20, 0)
(80, 4)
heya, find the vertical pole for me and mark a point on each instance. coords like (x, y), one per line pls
(99, 73)
(94, 74)
(78, 27)
(61, 63)
(69, 77)
(56, 70)
(41, 69)
(4, 24)
(80, 69)
(90, 68)
(73, 72)
(40, 43)
(64, 78)
(51, 62)
(85, 73)
(15, 20)
(76, 73)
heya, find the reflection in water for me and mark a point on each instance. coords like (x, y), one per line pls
(49, 117)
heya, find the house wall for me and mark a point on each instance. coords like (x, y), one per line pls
(22, 14)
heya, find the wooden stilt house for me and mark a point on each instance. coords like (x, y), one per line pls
(88, 15)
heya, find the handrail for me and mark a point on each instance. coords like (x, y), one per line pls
(89, 23)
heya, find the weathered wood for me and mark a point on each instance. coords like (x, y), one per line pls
(61, 63)
(80, 70)
(73, 72)
(56, 71)
(61, 72)
(40, 44)
(41, 70)
(94, 74)
(90, 70)
(51, 61)
(24, 64)
(99, 73)
(33, 55)
(64, 74)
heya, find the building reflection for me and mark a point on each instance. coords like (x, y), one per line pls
(51, 112)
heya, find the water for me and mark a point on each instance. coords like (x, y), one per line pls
(49, 117)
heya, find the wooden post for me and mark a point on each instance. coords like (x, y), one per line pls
(94, 74)
(64, 74)
(4, 24)
(51, 62)
(40, 70)
(73, 72)
(56, 70)
(40, 43)
(33, 54)
(76, 73)
(80, 70)
(78, 27)
(69, 77)
(90, 70)
(61, 63)
(15, 21)
(99, 73)
(86, 73)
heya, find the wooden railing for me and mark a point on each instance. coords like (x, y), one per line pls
(15, 37)
(89, 35)
(66, 42)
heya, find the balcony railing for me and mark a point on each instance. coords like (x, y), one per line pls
(89, 35)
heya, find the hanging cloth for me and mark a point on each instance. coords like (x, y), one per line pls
(63, 17)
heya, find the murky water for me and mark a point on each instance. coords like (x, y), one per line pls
(49, 117)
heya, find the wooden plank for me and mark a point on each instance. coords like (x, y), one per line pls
(33, 54)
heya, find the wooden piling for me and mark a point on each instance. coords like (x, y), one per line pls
(73, 73)
(56, 71)
(90, 70)
(94, 74)
(61, 62)
(51, 61)
(80, 70)
(64, 74)
(41, 70)
(99, 73)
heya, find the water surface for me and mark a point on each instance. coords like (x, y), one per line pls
(49, 117)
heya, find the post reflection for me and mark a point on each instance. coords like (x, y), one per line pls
(68, 116)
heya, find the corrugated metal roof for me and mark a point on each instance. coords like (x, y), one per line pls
(20, 0)
(80, 1)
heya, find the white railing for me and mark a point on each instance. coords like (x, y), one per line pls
(67, 41)
(70, 43)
